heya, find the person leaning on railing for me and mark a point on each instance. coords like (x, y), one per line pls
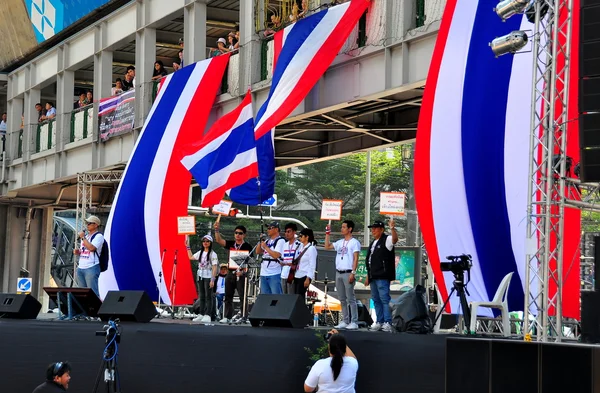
(337, 373)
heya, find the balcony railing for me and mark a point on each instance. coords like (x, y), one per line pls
(82, 123)
(45, 136)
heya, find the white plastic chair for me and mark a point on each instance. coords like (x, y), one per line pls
(499, 302)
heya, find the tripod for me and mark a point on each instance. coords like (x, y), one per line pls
(108, 366)
(460, 287)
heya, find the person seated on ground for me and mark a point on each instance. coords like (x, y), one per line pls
(81, 102)
(118, 89)
(337, 373)
(58, 376)
(159, 70)
(207, 272)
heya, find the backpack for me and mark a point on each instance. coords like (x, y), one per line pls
(104, 254)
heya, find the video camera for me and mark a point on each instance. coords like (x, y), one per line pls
(458, 264)
(111, 331)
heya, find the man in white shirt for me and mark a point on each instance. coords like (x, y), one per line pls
(270, 268)
(346, 263)
(88, 269)
(291, 250)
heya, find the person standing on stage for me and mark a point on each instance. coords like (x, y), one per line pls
(381, 271)
(207, 273)
(88, 269)
(270, 268)
(235, 279)
(58, 376)
(346, 263)
(291, 250)
(307, 266)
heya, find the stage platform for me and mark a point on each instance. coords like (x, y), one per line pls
(180, 356)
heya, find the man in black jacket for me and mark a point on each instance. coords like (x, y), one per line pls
(58, 376)
(381, 270)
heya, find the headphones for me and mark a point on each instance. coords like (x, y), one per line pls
(57, 368)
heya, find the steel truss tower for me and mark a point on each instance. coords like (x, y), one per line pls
(547, 193)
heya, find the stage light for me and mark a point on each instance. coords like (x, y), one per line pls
(510, 43)
(507, 8)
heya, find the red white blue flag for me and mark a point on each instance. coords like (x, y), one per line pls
(142, 227)
(303, 52)
(226, 156)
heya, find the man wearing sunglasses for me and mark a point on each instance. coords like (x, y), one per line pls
(88, 269)
(234, 279)
(270, 268)
(58, 376)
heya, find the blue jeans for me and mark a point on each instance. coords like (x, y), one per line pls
(271, 284)
(380, 293)
(220, 297)
(88, 278)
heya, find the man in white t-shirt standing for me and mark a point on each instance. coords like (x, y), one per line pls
(88, 269)
(270, 268)
(290, 252)
(346, 263)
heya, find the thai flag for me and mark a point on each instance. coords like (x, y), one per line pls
(154, 190)
(473, 156)
(303, 52)
(226, 155)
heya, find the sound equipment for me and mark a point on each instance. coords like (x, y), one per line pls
(134, 306)
(279, 311)
(82, 299)
(590, 316)
(503, 366)
(19, 306)
(589, 90)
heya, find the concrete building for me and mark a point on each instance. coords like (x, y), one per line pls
(368, 99)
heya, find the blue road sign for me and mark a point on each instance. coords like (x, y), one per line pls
(23, 284)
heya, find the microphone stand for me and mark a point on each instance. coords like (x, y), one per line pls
(160, 277)
(173, 286)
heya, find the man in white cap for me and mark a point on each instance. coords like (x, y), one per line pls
(88, 269)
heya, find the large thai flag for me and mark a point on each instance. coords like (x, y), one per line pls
(226, 156)
(142, 226)
(303, 52)
(473, 156)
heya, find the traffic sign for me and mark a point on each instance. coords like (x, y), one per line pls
(271, 201)
(24, 285)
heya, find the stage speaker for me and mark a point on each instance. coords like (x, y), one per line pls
(467, 365)
(279, 311)
(589, 94)
(134, 306)
(19, 306)
(590, 316)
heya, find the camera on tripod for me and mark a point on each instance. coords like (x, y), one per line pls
(111, 331)
(458, 264)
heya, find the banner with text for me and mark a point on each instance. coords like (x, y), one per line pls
(116, 115)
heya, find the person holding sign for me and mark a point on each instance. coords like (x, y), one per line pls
(381, 271)
(307, 264)
(235, 279)
(207, 273)
(270, 268)
(346, 263)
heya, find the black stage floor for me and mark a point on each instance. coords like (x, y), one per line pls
(186, 357)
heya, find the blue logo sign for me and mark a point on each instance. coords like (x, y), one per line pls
(271, 201)
(48, 17)
(23, 284)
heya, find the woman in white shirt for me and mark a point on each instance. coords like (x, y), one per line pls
(207, 273)
(305, 271)
(337, 373)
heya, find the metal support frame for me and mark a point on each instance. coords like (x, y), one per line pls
(85, 183)
(547, 194)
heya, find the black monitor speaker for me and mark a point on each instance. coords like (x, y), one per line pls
(134, 306)
(19, 306)
(279, 311)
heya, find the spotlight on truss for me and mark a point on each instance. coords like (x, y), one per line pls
(510, 43)
(507, 8)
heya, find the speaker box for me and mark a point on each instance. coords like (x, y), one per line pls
(590, 316)
(19, 306)
(590, 165)
(589, 94)
(134, 306)
(279, 311)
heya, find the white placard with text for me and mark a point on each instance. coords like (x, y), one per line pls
(331, 209)
(222, 208)
(186, 225)
(392, 203)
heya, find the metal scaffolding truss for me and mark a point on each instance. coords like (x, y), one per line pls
(547, 194)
